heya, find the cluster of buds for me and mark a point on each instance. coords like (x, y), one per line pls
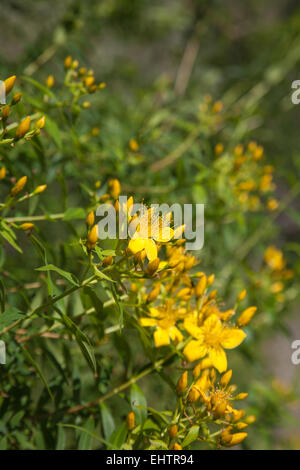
(25, 129)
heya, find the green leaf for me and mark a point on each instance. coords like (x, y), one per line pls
(191, 436)
(37, 368)
(86, 439)
(79, 428)
(70, 277)
(53, 131)
(9, 316)
(83, 342)
(108, 423)
(8, 234)
(137, 398)
(61, 439)
(118, 437)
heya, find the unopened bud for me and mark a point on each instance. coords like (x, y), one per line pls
(23, 128)
(182, 384)
(130, 420)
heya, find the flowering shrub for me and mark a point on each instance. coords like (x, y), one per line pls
(85, 320)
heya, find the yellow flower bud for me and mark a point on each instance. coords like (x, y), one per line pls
(2, 173)
(201, 286)
(18, 186)
(114, 188)
(225, 379)
(26, 226)
(241, 396)
(41, 122)
(197, 371)
(107, 261)
(176, 446)
(240, 426)
(68, 62)
(40, 189)
(237, 438)
(50, 81)
(182, 383)
(210, 280)
(173, 431)
(152, 267)
(242, 295)
(16, 98)
(193, 395)
(246, 316)
(130, 420)
(90, 220)
(102, 85)
(154, 293)
(23, 128)
(92, 238)
(9, 83)
(220, 408)
(5, 111)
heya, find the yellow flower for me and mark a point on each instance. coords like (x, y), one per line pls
(164, 318)
(274, 258)
(211, 338)
(151, 224)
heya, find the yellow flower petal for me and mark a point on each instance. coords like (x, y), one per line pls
(147, 321)
(218, 358)
(151, 249)
(194, 350)
(190, 325)
(161, 337)
(232, 337)
(175, 334)
(136, 245)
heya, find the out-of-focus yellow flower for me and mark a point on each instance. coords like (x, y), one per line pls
(134, 146)
(274, 258)
(217, 107)
(272, 204)
(68, 62)
(219, 149)
(2, 173)
(50, 81)
(114, 188)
